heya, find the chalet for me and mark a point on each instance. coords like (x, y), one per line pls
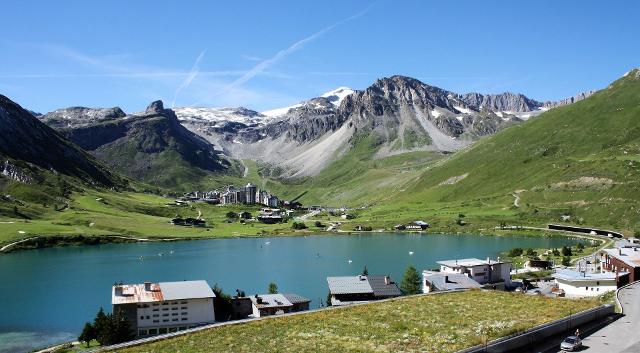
(583, 284)
(417, 225)
(433, 281)
(359, 289)
(196, 222)
(270, 215)
(277, 304)
(481, 271)
(158, 308)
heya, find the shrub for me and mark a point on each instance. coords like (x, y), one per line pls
(515, 252)
(566, 251)
(566, 261)
(298, 226)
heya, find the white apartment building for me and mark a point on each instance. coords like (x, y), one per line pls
(481, 271)
(582, 284)
(157, 308)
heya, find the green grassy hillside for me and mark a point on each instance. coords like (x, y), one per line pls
(580, 160)
(431, 323)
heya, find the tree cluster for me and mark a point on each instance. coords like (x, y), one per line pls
(298, 226)
(107, 329)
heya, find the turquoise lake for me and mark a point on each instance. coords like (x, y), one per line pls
(48, 294)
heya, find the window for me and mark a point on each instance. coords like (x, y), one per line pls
(156, 320)
(153, 331)
(156, 309)
(141, 317)
(155, 304)
(165, 314)
(183, 302)
(142, 332)
(176, 319)
(174, 303)
(173, 329)
(147, 317)
(183, 313)
(181, 328)
(165, 309)
(163, 330)
(165, 303)
(176, 308)
(165, 320)
(184, 319)
(156, 315)
(184, 308)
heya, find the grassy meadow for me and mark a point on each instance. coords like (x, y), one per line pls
(432, 323)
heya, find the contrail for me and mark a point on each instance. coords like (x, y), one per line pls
(263, 65)
(195, 69)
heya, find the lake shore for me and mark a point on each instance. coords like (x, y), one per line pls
(50, 241)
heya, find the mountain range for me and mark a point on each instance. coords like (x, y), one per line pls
(396, 114)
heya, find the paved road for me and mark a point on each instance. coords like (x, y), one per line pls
(619, 334)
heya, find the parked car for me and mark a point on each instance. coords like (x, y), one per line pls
(571, 343)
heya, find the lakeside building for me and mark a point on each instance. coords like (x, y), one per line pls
(415, 225)
(248, 195)
(346, 290)
(433, 281)
(158, 308)
(482, 271)
(277, 304)
(622, 260)
(584, 284)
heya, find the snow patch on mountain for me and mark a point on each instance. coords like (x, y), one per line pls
(337, 95)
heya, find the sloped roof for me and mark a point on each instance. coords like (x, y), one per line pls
(381, 289)
(449, 281)
(271, 301)
(349, 285)
(295, 299)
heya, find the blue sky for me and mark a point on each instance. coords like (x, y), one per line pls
(266, 55)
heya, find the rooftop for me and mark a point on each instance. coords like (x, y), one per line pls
(295, 299)
(349, 285)
(630, 256)
(571, 275)
(449, 281)
(157, 292)
(468, 262)
(382, 288)
(271, 301)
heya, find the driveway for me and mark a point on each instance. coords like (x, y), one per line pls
(623, 334)
(612, 335)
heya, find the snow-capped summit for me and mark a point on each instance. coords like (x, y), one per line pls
(337, 95)
(220, 115)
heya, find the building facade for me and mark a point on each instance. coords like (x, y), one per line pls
(622, 260)
(583, 284)
(481, 271)
(158, 308)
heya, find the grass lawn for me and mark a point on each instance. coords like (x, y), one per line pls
(433, 323)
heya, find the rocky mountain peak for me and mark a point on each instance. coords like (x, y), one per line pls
(155, 107)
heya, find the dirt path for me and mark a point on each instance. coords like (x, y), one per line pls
(10, 245)
(246, 169)
(516, 200)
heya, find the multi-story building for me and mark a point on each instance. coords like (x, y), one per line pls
(250, 192)
(625, 259)
(584, 284)
(158, 308)
(483, 272)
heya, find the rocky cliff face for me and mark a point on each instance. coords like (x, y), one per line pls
(570, 100)
(27, 146)
(151, 146)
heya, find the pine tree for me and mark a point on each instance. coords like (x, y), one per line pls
(411, 282)
(273, 288)
(88, 334)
